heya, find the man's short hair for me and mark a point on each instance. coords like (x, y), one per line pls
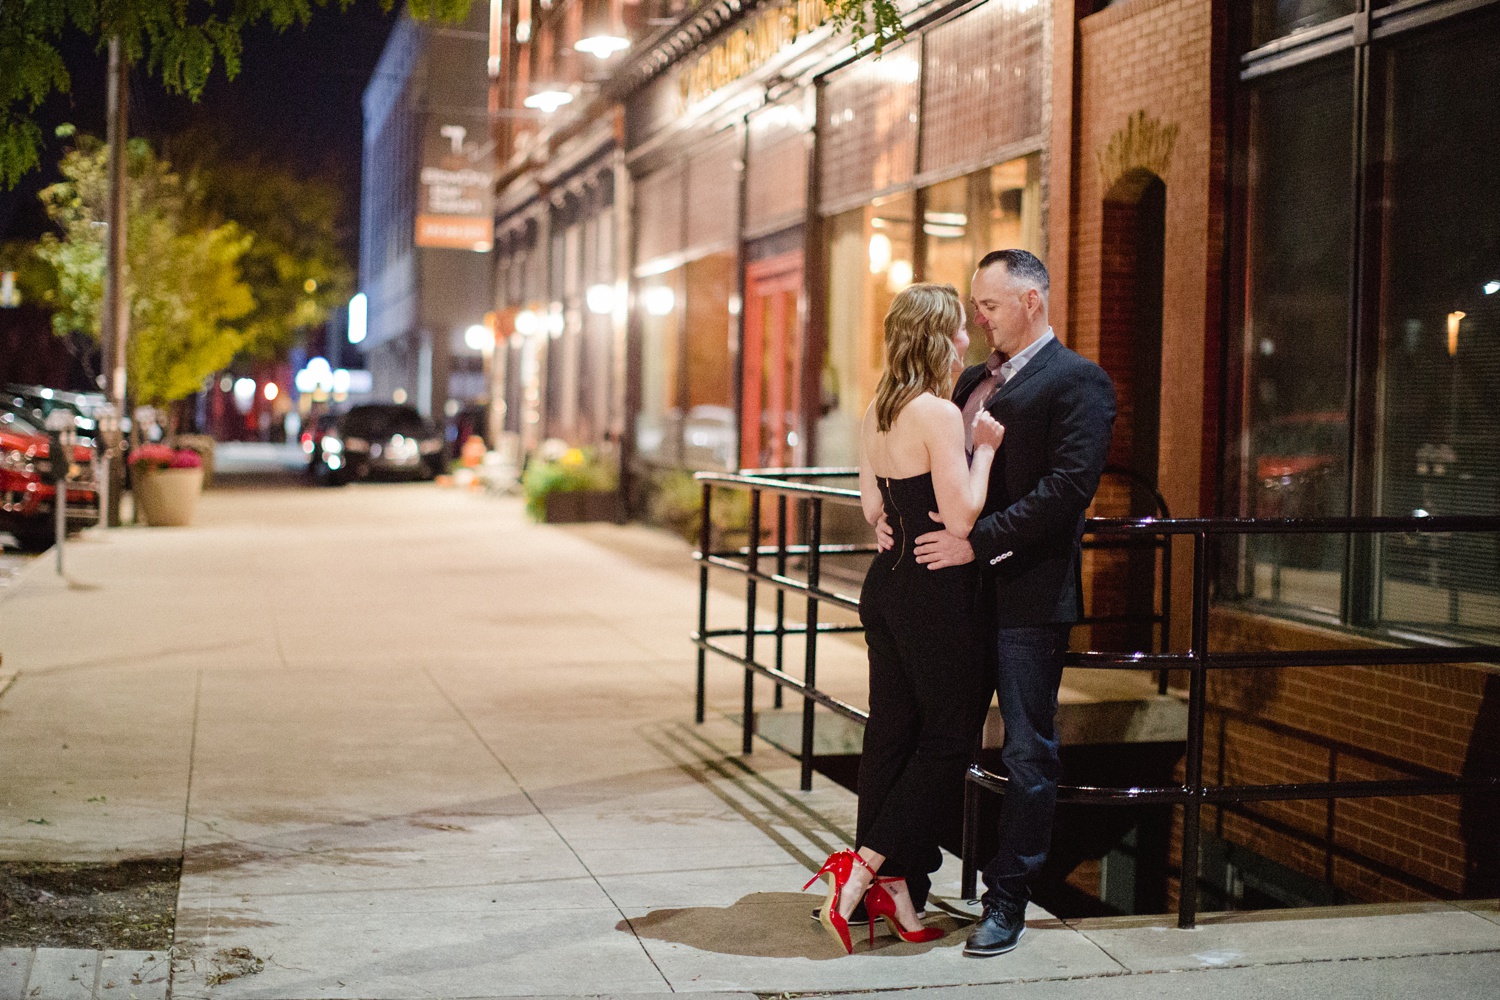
(1019, 264)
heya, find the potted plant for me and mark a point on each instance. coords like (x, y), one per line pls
(167, 482)
(575, 486)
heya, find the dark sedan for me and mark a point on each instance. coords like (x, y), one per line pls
(378, 440)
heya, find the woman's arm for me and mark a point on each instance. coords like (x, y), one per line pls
(960, 484)
(870, 500)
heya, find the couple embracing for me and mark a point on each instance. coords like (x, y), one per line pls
(978, 504)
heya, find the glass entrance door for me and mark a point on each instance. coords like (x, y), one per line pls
(771, 432)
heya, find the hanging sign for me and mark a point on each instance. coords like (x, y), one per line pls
(457, 200)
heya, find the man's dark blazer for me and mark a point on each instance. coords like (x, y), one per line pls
(1059, 415)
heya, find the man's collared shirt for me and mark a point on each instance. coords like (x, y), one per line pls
(1001, 371)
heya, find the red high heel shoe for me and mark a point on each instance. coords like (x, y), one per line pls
(878, 903)
(838, 868)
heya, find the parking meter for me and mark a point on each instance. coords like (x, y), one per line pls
(61, 435)
(110, 439)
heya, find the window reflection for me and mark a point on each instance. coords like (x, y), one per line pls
(1296, 329)
(1440, 329)
(967, 217)
(1271, 19)
(870, 260)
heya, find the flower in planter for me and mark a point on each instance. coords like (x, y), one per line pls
(573, 470)
(152, 457)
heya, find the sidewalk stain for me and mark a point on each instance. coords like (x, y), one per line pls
(127, 905)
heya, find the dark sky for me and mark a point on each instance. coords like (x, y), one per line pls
(295, 101)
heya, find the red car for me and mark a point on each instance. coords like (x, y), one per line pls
(26, 491)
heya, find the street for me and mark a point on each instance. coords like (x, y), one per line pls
(408, 744)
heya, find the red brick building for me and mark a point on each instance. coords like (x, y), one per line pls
(1272, 221)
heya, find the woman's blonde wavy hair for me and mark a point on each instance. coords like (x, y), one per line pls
(919, 348)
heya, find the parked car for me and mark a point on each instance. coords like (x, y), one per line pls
(313, 433)
(383, 440)
(27, 495)
(39, 402)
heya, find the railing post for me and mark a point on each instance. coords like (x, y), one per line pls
(780, 594)
(810, 665)
(752, 595)
(1166, 608)
(1192, 809)
(703, 548)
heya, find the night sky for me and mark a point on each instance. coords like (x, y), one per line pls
(295, 101)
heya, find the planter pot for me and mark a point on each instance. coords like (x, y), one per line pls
(168, 497)
(583, 505)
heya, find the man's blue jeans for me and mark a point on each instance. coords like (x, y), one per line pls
(1027, 677)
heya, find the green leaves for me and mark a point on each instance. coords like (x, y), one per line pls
(181, 42)
(182, 278)
(879, 20)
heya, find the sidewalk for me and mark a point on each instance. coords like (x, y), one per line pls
(410, 745)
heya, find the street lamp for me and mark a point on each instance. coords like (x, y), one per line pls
(479, 338)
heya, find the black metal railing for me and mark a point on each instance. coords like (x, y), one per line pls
(1192, 794)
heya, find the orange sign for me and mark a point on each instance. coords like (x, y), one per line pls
(456, 232)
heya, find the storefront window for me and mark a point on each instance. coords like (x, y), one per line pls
(1296, 329)
(708, 425)
(658, 428)
(1440, 329)
(869, 261)
(967, 217)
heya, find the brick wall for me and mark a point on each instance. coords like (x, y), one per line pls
(1162, 58)
(1356, 724)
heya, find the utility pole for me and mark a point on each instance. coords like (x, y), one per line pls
(114, 330)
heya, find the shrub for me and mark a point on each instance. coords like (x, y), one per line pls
(575, 470)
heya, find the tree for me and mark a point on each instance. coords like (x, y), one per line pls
(180, 41)
(183, 280)
(296, 267)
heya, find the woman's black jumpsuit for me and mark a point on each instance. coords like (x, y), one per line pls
(927, 688)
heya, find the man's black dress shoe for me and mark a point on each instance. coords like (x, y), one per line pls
(997, 932)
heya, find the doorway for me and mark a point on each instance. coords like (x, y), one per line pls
(771, 424)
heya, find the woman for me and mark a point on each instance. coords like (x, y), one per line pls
(926, 674)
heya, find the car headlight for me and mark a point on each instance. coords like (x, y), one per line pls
(332, 445)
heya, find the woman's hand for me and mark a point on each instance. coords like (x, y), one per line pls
(987, 431)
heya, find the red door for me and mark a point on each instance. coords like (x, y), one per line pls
(771, 432)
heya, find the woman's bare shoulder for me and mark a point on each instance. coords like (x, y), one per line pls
(934, 411)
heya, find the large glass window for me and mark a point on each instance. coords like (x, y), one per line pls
(709, 429)
(869, 261)
(967, 217)
(1440, 326)
(1386, 410)
(1296, 328)
(658, 424)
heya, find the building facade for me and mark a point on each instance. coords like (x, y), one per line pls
(426, 215)
(1270, 220)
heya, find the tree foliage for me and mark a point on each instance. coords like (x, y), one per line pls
(182, 42)
(878, 20)
(183, 280)
(296, 267)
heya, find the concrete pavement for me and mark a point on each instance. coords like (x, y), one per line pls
(410, 745)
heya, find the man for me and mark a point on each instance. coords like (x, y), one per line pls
(1058, 409)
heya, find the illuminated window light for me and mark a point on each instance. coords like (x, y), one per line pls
(548, 101)
(358, 315)
(602, 46)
